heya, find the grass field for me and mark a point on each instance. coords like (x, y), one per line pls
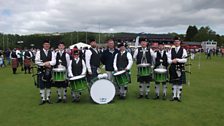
(202, 103)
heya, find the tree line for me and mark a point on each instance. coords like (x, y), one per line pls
(193, 33)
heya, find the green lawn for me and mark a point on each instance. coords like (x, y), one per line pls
(202, 103)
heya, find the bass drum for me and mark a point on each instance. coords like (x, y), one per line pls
(102, 91)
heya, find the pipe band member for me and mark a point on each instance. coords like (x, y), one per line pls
(27, 58)
(161, 61)
(92, 58)
(76, 67)
(62, 60)
(45, 59)
(144, 55)
(177, 59)
(123, 61)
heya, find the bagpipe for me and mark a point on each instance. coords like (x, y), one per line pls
(50, 75)
(181, 70)
(41, 72)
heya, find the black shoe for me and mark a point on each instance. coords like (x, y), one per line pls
(49, 102)
(122, 97)
(178, 99)
(156, 98)
(76, 100)
(59, 100)
(111, 102)
(172, 99)
(42, 102)
(147, 96)
(140, 96)
(64, 101)
(164, 97)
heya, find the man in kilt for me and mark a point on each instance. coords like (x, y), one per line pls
(177, 57)
(144, 55)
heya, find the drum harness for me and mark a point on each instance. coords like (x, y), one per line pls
(144, 59)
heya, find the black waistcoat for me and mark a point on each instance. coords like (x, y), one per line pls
(62, 58)
(76, 67)
(147, 55)
(95, 58)
(159, 57)
(45, 58)
(122, 61)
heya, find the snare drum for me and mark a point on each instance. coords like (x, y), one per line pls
(102, 91)
(59, 74)
(78, 83)
(121, 78)
(160, 75)
(144, 70)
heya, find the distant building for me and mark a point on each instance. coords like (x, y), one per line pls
(191, 45)
(208, 45)
(131, 37)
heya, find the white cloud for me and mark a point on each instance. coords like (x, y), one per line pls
(154, 16)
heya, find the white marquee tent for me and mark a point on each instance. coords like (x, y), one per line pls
(79, 45)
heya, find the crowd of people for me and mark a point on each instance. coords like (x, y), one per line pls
(88, 62)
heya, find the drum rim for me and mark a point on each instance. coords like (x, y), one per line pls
(77, 77)
(59, 69)
(119, 72)
(160, 70)
(143, 65)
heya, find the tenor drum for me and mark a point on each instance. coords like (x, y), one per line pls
(78, 83)
(121, 78)
(144, 70)
(160, 75)
(59, 74)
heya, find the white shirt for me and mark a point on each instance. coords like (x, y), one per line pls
(70, 74)
(182, 60)
(130, 61)
(88, 55)
(53, 60)
(67, 57)
(18, 54)
(151, 52)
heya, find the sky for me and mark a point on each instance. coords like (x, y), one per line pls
(149, 16)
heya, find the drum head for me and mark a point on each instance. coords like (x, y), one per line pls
(59, 69)
(160, 70)
(143, 65)
(77, 77)
(102, 91)
(119, 72)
